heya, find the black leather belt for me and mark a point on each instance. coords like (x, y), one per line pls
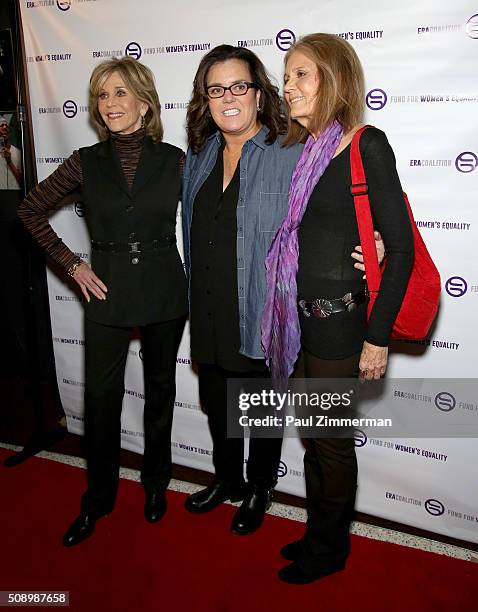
(133, 247)
(323, 308)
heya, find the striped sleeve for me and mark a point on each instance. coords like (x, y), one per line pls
(47, 196)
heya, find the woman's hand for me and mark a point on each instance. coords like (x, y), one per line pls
(373, 361)
(88, 281)
(358, 256)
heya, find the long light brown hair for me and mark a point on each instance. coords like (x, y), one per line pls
(341, 85)
(139, 79)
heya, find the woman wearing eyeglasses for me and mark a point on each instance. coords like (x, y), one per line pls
(235, 195)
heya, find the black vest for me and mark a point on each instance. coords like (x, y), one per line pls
(143, 287)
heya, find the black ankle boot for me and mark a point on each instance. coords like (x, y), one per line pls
(212, 496)
(155, 506)
(291, 551)
(250, 515)
(81, 528)
(295, 574)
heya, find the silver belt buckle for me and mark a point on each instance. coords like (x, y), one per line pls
(134, 247)
(349, 303)
(305, 310)
(322, 308)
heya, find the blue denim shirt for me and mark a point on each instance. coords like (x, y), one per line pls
(265, 175)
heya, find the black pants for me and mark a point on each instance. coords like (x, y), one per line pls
(228, 453)
(106, 350)
(330, 467)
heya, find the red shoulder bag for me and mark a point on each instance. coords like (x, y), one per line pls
(420, 303)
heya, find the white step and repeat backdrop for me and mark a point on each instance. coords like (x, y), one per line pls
(421, 63)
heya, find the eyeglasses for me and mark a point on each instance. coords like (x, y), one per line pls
(237, 89)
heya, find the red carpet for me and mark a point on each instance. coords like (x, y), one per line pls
(193, 563)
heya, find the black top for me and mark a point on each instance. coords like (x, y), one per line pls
(215, 335)
(149, 284)
(327, 236)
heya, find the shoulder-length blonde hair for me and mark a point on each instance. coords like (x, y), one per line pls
(341, 85)
(139, 79)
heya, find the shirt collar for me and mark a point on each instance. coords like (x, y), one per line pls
(259, 139)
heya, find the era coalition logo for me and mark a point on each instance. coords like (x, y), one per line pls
(80, 209)
(376, 99)
(445, 401)
(285, 39)
(360, 438)
(70, 109)
(65, 5)
(456, 286)
(133, 49)
(434, 507)
(466, 162)
(282, 470)
(472, 26)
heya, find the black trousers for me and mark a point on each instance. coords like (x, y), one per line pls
(330, 467)
(228, 453)
(106, 350)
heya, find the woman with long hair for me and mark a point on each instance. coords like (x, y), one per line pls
(308, 265)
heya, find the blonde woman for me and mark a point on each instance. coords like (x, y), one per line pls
(130, 184)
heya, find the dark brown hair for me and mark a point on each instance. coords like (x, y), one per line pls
(199, 123)
(139, 79)
(341, 85)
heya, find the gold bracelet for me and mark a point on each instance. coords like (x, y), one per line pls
(74, 266)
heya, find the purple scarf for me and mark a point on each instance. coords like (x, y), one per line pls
(280, 320)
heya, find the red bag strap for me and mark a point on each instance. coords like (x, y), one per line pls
(359, 191)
